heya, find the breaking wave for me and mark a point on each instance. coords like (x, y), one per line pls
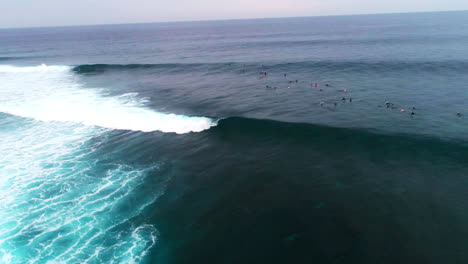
(53, 93)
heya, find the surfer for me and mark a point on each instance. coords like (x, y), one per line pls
(459, 114)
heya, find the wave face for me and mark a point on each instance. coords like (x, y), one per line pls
(52, 93)
(269, 129)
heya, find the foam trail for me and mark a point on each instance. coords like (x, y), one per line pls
(61, 199)
(53, 93)
(58, 204)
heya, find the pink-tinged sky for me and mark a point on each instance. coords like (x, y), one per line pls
(23, 13)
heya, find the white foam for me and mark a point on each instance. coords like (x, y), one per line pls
(57, 205)
(41, 68)
(53, 93)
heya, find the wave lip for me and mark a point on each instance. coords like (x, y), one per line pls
(52, 93)
(40, 68)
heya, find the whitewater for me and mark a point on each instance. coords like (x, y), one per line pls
(53, 93)
(59, 201)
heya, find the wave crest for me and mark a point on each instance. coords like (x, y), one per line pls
(52, 93)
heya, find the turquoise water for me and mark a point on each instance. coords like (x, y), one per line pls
(164, 143)
(56, 199)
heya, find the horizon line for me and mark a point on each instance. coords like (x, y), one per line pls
(228, 19)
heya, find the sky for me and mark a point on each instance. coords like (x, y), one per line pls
(38, 13)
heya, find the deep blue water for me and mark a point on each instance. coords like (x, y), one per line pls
(163, 143)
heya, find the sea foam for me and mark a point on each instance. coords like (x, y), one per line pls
(61, 199)
(54, 93)
(60, 204)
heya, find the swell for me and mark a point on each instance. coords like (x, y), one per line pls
(99, 68)
(307, 43)
(379, 66)
(455, 66)
(10, 58)
(346, 139)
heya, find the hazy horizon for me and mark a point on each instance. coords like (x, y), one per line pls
(229, 19)
(56, 13)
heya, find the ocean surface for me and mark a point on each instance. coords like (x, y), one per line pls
(298, 140)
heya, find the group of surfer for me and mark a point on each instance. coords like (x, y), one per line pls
(315, 84)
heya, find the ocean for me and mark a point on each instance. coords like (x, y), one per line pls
(339, 139)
